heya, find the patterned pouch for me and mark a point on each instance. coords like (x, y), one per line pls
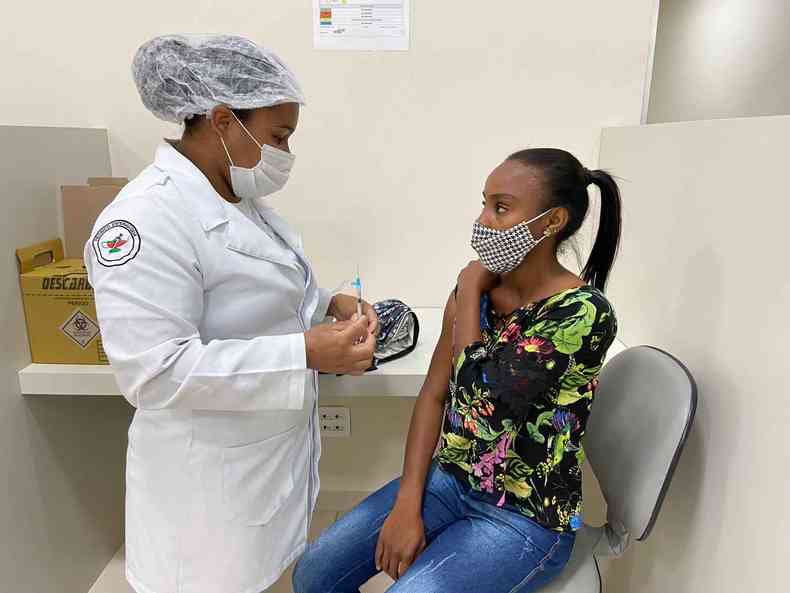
(399, 330)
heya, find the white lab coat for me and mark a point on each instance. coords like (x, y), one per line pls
(202, 316)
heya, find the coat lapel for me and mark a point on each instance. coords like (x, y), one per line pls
(244, 236)
(217, 215)
(282, 228)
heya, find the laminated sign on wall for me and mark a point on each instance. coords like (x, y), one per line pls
(359, 25)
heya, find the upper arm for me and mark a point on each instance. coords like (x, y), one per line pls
(150, 304)
(155, 296)
(438, 379)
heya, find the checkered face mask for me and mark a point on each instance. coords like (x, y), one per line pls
(502, 251)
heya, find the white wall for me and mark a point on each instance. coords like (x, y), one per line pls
(61, 459)
(703, 273)
(721, 59)
(393, 148)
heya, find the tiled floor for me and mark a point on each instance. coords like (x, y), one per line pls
(112, 580)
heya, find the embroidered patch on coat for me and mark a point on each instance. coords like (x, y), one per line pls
(116, 243)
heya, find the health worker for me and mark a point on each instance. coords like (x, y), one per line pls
(210, 315)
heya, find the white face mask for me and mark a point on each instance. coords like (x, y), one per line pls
(268, 176)
(502, 251)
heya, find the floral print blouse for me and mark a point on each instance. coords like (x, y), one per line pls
(519, 402)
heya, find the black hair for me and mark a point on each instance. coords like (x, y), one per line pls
(566, 180)
(192, 122)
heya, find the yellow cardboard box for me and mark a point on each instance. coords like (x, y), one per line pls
(59, 307)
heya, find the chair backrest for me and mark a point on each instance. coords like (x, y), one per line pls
(641, 416)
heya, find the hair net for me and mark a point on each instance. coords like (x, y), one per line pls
(179, 76)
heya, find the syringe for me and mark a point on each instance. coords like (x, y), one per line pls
(357, 283)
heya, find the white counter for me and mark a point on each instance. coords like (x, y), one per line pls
(399, 378)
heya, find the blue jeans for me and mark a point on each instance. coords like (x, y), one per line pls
(473, 546)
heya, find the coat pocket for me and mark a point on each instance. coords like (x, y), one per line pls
(257, 478)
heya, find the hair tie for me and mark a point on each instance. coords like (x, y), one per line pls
(588, 177)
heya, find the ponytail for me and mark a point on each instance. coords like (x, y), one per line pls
(596, 271)
(566, 182)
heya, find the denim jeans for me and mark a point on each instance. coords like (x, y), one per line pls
(473, 546)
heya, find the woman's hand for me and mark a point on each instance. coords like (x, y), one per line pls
(344, 347)
(476, 278)
(343, 307)
(401, 540)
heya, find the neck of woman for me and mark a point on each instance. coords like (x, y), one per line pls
(540, 275)
(206, 160)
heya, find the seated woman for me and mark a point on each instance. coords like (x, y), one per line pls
(509, 391)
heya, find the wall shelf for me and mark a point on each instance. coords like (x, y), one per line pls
(399, 378)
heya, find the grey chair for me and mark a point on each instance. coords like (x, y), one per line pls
(641, 416)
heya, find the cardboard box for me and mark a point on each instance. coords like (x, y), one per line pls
(116, 181)
(81, 206)
(59, 307)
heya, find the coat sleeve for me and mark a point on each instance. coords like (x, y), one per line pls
(149, 310)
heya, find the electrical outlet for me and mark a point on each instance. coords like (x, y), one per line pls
(335, 421)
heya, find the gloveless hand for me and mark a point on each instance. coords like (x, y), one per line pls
(477, 278)
(401, 541)
(345, 347)
(343, 307)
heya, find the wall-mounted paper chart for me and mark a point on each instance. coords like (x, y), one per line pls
(360, 25)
